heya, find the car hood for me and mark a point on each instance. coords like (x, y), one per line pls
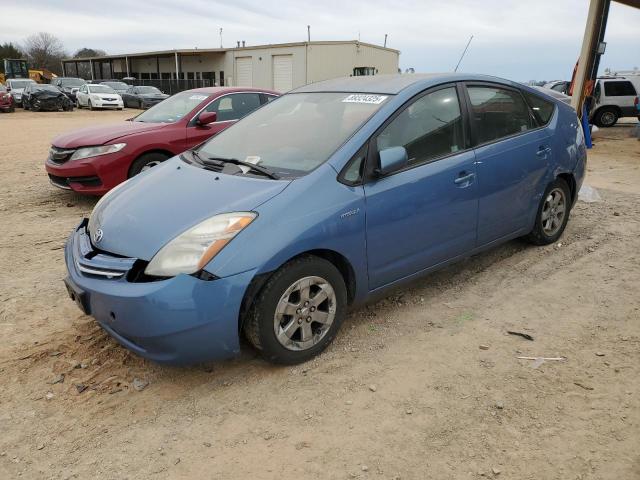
(99, 135)
(17, 91)
(154, 207)
(47, 95)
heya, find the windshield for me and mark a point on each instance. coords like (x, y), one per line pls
(100, 89)
(295, 133)
(20, 83)
(172, 109)
(148, 90)
(72, 82)
(46, 87)
(117, 85)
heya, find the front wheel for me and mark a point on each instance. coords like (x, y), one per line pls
(145, 162)
(90, 105)
(553, 214)
(78, 106)
(298, 312)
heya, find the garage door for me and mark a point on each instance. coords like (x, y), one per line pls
(282, 72)
(244, 70)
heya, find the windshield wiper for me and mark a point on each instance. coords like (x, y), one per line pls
(235, 161)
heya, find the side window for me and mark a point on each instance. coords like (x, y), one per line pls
(429, 128)
(619, 89)
(266, 98)
(353, 173)
(498, 113)
(234, 106)
(542, 109)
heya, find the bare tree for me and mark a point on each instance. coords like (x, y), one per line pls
(44, 50)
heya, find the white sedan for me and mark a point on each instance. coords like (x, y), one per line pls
(93, 96)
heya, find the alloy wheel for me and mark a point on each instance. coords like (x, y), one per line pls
(553, 212)
(304, 314)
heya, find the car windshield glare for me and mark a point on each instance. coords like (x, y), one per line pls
(148, 90)
(72, 82)
(117, 85)
(172, 109)
(100, 89)
(20, 83)
(50, 88)
(295, 133)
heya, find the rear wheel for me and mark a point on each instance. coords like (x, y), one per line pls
(606, 117)
(145, 162)
(553, 214)
(298, 312)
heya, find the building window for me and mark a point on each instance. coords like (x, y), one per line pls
(361, 71)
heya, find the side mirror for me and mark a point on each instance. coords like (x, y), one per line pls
(206, 118)
(392, 159)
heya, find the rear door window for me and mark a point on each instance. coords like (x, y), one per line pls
(619, 89)
(234, 106)
(498, 113)
(542, 109)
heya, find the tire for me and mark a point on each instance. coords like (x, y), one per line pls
(140, 105)
(263, 319)
(78, 106)
(24, 105)
(90, 105)
(12, 109)
(144, 161)
(545, 230)
(606, 117)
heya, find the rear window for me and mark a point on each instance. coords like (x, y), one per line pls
(619, 89)
(542, 109)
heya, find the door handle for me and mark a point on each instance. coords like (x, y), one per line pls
(464, 179)
(543, 151)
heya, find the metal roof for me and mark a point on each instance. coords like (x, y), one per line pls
(196, 51)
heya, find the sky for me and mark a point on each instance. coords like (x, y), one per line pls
(516, 39)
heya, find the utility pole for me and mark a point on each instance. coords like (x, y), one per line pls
(309, 33)
(463, 53)
(385, 40)
(220, 37)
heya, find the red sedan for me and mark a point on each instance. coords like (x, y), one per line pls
(6, 101)
(96, 159)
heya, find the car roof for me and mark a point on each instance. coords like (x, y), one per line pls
(393, 84)
(221, 90)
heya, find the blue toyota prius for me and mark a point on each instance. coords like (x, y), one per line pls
(317, 202)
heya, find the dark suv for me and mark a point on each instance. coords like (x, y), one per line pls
(68, 85)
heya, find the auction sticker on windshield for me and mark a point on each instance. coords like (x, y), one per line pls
(198, 97)
(362, 98)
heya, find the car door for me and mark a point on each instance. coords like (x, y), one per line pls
(126, 96)
(229, 109)
(81, 96)
(426, 213)
(512, 158)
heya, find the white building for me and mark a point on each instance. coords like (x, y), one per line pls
(279, 67)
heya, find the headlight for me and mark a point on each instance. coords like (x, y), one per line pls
(87, 152)
(190, 251)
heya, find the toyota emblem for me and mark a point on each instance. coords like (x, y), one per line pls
(97, 236)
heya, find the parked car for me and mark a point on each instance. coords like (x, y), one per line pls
(94, 96)
(95, 159)
(615, 98)
(68, 85)
(555, 94)
(15, 86)
(143, 97)
(119, 87)
(561, 86)
(38, 97)
(322, 200)
(6, 101)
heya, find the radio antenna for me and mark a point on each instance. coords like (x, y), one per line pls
(463, 53)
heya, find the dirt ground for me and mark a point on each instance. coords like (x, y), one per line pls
(405, 392)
